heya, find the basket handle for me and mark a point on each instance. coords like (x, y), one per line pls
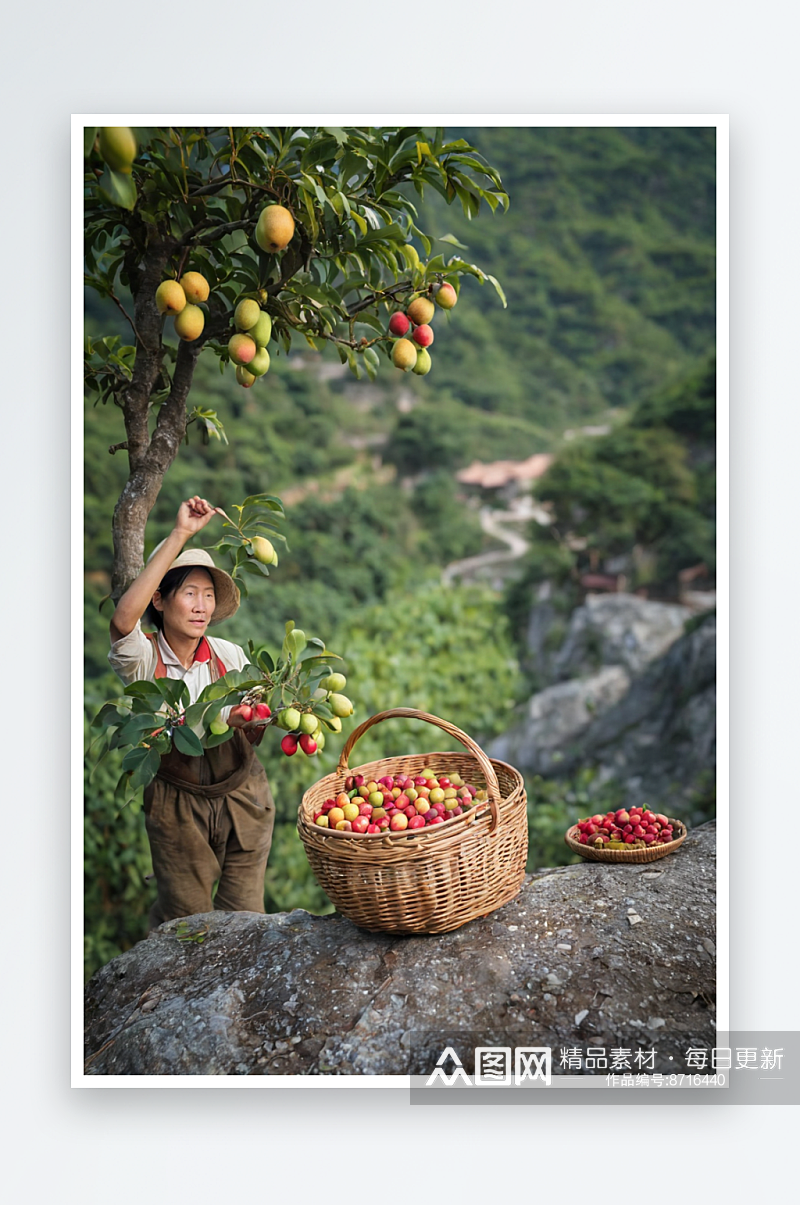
(410, 713)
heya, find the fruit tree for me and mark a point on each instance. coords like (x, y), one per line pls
(234, 242)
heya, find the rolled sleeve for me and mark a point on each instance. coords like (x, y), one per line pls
(133, 657)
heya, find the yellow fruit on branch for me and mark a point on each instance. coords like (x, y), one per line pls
(420, 311)
(170, 297)
(118, 147)
(189, 323)
(195, 286)
(404, 354)
(274, 228)
(246, 314)
(263, 550)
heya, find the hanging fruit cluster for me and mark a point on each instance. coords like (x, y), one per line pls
(413, 330)
(248, 347)
(181, 299)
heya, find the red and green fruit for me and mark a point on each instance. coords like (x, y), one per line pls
(423, 364)
(446, 296)
(241, 349)
(398, 324)
(389, 804)
(420, 311)
(259, 364)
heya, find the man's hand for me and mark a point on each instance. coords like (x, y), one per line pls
(253, 728)
(193, 515)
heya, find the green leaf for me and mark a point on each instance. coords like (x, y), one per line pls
(265, 661)
(391, 233)
(147, 769)
(372, 321)
(143, 690)
(173, 690)
(338, 133)
(423, 238)
(187, 741)
(133, 731)
(109, 713)
(89, 135)
(194, 714)
(268, 500)
(359, 221)
(117, 188)
(134, 757)
(451, 238)
(500, 292)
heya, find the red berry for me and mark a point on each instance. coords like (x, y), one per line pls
(289, 744)
(246, 712)
(308, 745)
(398, 323)
(262, 711)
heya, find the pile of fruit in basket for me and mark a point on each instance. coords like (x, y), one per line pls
(633, 828)
(398, 802)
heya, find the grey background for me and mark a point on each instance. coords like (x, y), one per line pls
(685, 57)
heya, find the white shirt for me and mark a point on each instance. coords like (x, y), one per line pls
(133, 658)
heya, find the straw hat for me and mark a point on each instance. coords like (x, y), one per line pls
(225, 588)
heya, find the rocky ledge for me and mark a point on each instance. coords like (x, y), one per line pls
(586, 955)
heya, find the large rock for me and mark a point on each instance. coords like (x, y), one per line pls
(557, 717)
(587, 954)
(653, 734)
(618, 629)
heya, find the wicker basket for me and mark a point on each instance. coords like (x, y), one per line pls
(651, 854)
(431, 880)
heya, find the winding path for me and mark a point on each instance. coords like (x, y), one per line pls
(496, 523)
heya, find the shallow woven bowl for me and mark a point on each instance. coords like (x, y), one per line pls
(651, 854)
(429, 880)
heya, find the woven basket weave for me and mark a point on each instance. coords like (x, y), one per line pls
(651, 854)
(430, 880)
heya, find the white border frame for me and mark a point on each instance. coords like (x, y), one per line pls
(721, 123)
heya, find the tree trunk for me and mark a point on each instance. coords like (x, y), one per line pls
(149, 457)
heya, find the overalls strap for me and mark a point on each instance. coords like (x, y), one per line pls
(216, 667)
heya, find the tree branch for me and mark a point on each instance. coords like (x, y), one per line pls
(219, 233)
(118, 303)
(118, 447)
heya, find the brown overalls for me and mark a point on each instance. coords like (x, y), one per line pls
(209, 818)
